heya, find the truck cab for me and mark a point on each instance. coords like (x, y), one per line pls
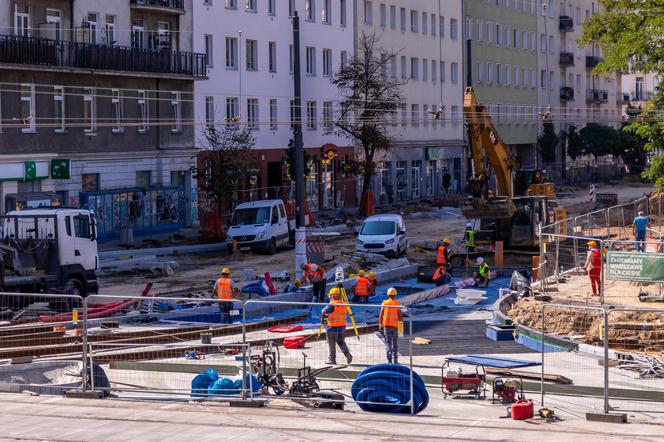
(49, 249)
(260, 226)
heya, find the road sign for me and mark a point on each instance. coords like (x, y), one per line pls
(634, 266)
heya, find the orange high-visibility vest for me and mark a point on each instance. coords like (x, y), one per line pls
(372, 287)
(310, 274)
(390, 315)
(337, 317)
(440, 271)
(441, 256)
(224, 288)
(362, 286)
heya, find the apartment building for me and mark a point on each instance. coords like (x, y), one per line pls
(502, 35)
(96, 109)
(424, 39)
(568, 89)
(638, 88)
(250, 62)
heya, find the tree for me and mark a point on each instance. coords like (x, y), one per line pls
(547, 142)
(650, 130)
(633, 150)
(368, 99)
(576, 145)
(599, 140)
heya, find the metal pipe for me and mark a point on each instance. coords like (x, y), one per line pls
(410, 354)
(606, 361)
(542, 360)
(84, 354)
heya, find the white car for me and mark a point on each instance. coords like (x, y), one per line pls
(260, 226)
(384, 234)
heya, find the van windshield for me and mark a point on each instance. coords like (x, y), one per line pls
(378, 228)
(255, 215)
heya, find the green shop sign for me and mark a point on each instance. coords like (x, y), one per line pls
(60, 169)
(631, 266)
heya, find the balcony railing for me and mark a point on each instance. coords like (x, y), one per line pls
(566, 23)
(67, 54)
(176, 5)
(566, 59)
(597, 96)
(592, 61)
(566, 93)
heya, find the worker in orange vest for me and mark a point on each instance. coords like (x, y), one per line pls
(442, 258)
(315, 274)
(361, 289)
(335, 315)
(388, 321)
(225, 289)
(594, 267)
(441, 277)
(372, 284)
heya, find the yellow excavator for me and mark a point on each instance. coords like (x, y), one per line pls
(523, 200)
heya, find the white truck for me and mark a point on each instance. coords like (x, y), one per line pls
(49, 250)
(261, 226)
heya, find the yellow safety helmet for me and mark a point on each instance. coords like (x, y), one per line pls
(225, 271)
(334, 292)
(372, 276)
(361, 272)
(446, 240)
(391, 291)
(592, 243)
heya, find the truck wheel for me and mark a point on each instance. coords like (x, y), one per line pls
(272, 248)
(74, 286)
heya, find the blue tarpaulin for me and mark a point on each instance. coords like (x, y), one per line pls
(493, 361)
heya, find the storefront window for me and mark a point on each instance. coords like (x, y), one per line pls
(416, 178)
(311, 185)
(402, 182)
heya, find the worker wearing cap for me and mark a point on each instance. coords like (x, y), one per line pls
(441, 276)
(316, 275)
(335, 315)
(361, 289)
(372, 283)
(469, 238)
(388, 321)
(640, 227)
(484, 272)
(443, 254)
(225, 289)
(594, 267)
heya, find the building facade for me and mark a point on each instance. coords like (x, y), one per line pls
(502, 35)
(249, 45)
(638, 88)
(96, 104)
(424, 40)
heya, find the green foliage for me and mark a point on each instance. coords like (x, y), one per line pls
(650, 129)
(633, 152)
(547, 142)
(576, 145)
(599, 140)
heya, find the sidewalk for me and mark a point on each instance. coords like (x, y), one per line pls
(24, 417)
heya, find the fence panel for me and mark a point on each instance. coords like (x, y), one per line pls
(42, 326)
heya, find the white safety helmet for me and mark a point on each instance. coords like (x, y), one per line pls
(314, 267)
(480, 260)
(469, 226)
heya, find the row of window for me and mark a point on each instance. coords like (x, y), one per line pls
(326, 12)
(499, 74)
(89, 99)
(430, 23)
(500, 34)
(436, 68)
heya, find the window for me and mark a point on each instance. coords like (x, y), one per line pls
(425, 111)
(143, 111)
(469, 28)
(479, 74)
(93, 28)
(453, 29)
(499, 34)
(21, 20)
(111, 39)
(231, 4)
(138, 36)
(311, 115)
(489, 33)
(543, 79)
(404, 114)
(311, 61)
(143, 178)
(273, 114)
(543, 43)
(291, 58)
(90, 182)
(455, 116)
(327, 114)
(342, 12)
(271, 7)
(508, 75)
(231, 52)
(291, 7)
(383, 15)
(479, 31)
(524, 77)
(508, 36)
(176, 112)
(415, 114)
(433, 25)
(516, 76)
(250, 5)
(533, 44)
(442, 71)
(524, 40)
(413, 21)
(54, 16)
(425, 23)
(393, 17)
(89, 111)
(402, 19)
(533, 79)
(326, 13)
(515, 38)
(368, 12)
(344, 59)
(327, 62)
(232, 109)
(272, 56)
(489, 73)
(414, 68)
(441, 26)
(404, 67)
(499, 74)
(116, 103)
(425, 69)
(209, 51)
(434, 71)
(82, 226)
(552, 45)
(551, 79)
(252, 55)
(59, 109)
(252, 113)
(310, 10)
(454, 72)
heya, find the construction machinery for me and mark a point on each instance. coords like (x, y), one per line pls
(523, 200)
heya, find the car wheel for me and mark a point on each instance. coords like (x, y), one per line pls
(272, 249)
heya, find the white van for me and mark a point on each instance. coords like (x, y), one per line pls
(260, 226)
(384, 234)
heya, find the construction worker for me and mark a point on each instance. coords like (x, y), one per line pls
(594, 266)
(372, 283)
(224, 288)
(361, 289)
(484, 272)
(441, 277)
(316, 275)
(388, 321)
(640, 227)
(335, 314)
(469, 238)
(443, 254)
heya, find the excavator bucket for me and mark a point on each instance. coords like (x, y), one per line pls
(497, 207)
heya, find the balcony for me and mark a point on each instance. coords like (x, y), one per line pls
(566, 59)
(592, 61)
(597, 96)
(167, 6)
(67, 54)
(566, 24)
(566, 93)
